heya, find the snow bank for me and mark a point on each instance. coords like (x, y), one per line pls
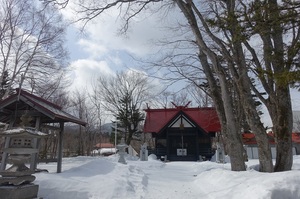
(105, 178)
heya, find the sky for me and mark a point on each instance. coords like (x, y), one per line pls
(104, 178)
(101, 49)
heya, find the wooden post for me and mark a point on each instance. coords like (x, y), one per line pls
(60, 147)
(35, 145)
(7, 142)
(197, 144)
(5, 154)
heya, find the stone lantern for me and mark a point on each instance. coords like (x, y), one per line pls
(121, 151)
(144, 153)
(16, 181)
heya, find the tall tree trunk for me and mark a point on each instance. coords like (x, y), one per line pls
(282, 126)
(282, 110)
(238, 69)
(223, 103)
(221, 97)
(243, 85)
(253, 119)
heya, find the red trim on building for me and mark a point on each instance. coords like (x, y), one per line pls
(249, 138)
(104, 145)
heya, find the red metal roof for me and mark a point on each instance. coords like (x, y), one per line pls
(104, 145)
(249, 138)
(157, 119)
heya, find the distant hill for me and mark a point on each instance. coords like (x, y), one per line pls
(105, 128)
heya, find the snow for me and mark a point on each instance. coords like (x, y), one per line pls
(21, 130)
(104, 178)
(104, 151)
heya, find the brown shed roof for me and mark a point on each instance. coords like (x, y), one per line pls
(24, 101)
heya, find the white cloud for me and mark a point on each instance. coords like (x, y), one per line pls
(93, 49)
(103, 49)
(85, 71)
(104, 30)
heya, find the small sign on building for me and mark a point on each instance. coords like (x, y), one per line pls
(181, 152)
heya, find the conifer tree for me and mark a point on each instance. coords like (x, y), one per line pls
(130, 117)
(4, 83)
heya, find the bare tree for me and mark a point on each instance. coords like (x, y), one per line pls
(100, 113)
(237, 40)
(200, 95)
(31, 45)
(79, 107)
(123, 96)
(168, 99)
(215, 74)
(162, 100)
(180, 98)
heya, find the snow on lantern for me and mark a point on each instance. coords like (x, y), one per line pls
(121, 151)
(16, 181)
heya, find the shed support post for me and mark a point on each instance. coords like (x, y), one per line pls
(36, 143)
(7, 142)
(5, 154)
(60, 147)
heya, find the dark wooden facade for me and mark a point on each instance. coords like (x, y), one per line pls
(181, 133)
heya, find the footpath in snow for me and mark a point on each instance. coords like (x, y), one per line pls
(105, 178)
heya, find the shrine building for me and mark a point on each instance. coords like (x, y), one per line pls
(182, 133)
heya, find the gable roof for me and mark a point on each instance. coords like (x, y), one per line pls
(157, 119)
(22, 100)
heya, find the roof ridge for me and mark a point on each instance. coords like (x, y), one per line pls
(23, 92)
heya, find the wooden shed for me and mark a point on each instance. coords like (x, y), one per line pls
(182, 133)
(42, 112)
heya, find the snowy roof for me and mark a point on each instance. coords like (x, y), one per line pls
(22, 101)
(21, 132)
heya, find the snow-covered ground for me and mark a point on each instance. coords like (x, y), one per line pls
(105, 178)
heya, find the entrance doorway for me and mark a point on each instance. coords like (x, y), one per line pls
(182, 147)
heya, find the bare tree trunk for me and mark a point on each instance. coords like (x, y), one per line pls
(264, 150)
(280, 106)
(223, 102)
(283, 123)
(238, 70)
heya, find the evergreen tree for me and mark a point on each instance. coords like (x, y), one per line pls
(129, 116)
(4, 83)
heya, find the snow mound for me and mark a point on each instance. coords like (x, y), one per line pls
(105, 178)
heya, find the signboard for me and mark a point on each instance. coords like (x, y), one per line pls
(181, 152)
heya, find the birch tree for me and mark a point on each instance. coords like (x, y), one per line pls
(31, 45)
